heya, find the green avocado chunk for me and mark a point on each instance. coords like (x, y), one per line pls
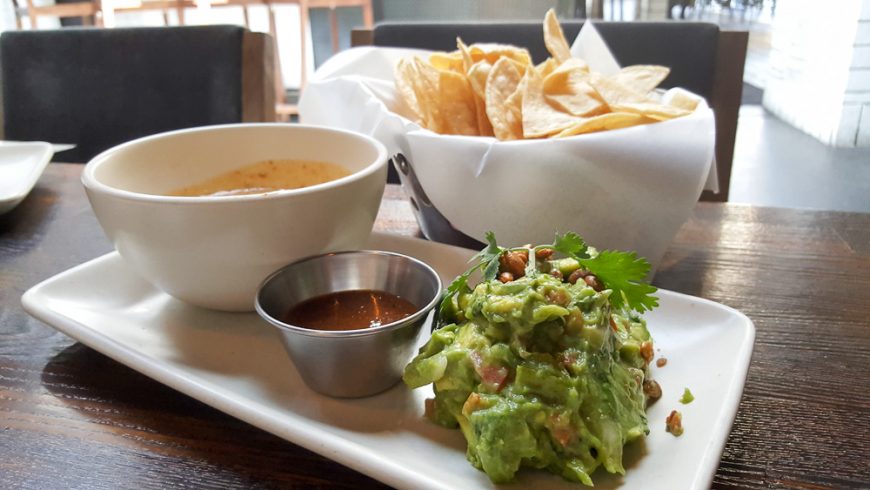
(538, 373)
(687, 397)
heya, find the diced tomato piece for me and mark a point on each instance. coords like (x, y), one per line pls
(561, 430)
(493, 376)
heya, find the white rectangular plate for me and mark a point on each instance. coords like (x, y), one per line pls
(21, 164)
(235, 363)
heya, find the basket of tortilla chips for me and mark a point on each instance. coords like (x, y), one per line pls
(484, 139)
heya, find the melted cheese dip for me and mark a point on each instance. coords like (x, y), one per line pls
(266, 176)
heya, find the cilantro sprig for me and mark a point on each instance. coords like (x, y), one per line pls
(486, 259)
(621, 272)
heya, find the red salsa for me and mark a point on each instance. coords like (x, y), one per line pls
(349, 310)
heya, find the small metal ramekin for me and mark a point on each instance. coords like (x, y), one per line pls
(350, 363)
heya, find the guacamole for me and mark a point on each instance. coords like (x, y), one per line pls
(538, 369)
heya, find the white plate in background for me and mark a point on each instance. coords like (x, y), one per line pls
(235, 363)
(21, 164)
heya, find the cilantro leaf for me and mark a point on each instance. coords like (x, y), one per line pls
(491, 249)
(486, 259)
(490, 271)
(460, 284)
(623, 272)
(571, 244)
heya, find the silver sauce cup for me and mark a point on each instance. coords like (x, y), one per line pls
(350, 363)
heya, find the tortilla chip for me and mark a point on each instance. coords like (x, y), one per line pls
(546, 67)
(554, 38)
(491, 53)
(426, 83)
(583, 104)
(682, 99)
(604, 122)
(540, 119)
(467, 60)
(502, 83)
(641, 78)
(659, 112)
(405, 74)
(457, 106)
(613, 92)
(477, 76)
(447, 61)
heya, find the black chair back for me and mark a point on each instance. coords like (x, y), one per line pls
(97, 88)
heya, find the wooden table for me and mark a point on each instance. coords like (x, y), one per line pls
(72, 418)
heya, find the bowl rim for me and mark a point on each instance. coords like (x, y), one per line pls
(362, 332)
(91, 183)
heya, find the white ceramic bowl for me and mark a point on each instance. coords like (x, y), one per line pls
(215, 251)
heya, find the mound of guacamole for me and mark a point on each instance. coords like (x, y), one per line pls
(538, 369)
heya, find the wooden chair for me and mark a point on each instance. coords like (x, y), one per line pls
(109, 8)
(89, 11)
(100, 13)
(77, 86)
(19, 12)
(286, 110)
(365, 5)
(703, 58)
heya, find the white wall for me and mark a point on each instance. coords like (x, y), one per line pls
(819, 69)
(858, 86)
(7, 19)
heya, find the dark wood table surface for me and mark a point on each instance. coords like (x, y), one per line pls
(72, 418)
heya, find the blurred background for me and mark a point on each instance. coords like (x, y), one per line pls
(755, 15)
